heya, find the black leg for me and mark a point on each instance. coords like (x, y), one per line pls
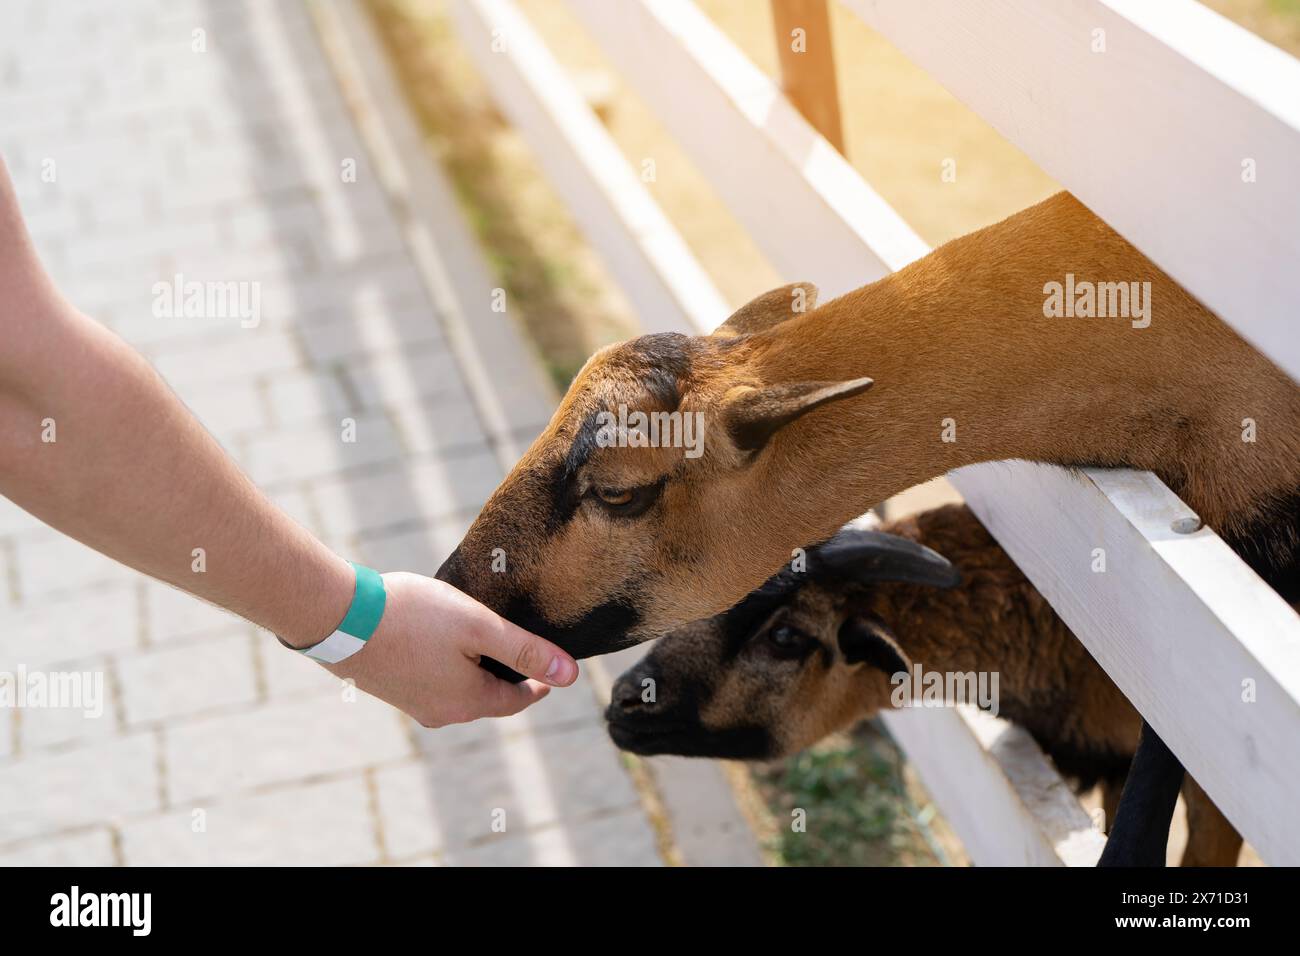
(1139, 834)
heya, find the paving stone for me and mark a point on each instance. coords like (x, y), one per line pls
(404, 378)
(8, 583)
(172, 613)
(296, 453)
(85, 694)
(134, 320)
(562, 709)
(306, 396)
(226, 410)
(317, 824)
(281, 742)
(8, 731)
(287, 673)
(420, 550)
(620, 839)
(411, 820)
(535, 781)
(56, 564)
(368, 285)
(240, 354)
(97, 783)
(181, 679)
(408, 817)
(346, 234)
(446, 427)
(89, 250)
(89, 623)
(377, 328)
(87, 848)
(305, 212)
(14, 520)
(429, 489)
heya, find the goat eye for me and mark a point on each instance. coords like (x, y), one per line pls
(615, 498)
(787, 641)
(627, 502)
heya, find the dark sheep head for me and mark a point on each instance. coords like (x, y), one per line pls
(800, 657)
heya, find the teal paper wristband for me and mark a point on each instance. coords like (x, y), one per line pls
(359, 624)
(368, 601)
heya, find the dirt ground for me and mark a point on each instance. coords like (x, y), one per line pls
(899, 124)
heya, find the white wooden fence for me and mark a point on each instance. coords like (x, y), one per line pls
(1153, 135)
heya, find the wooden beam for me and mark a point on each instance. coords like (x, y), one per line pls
(996, 789)
(807, 56)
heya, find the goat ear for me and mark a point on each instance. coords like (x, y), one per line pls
(868, 640)
(770, 308)
(753, 415)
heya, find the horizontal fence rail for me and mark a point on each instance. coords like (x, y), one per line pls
(1175, 125)
(675, 50)
(1179, 623)
(996, 789)
(643, 250)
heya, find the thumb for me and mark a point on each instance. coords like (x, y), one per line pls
(528, 654)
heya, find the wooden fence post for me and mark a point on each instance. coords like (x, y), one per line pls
(803, 43)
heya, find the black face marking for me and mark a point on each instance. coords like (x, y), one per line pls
(602, 630)
(672, 725)
(731, 743)
(666, 358)
(743, 621)
(665, 361)
(562, 479)
(584, 445)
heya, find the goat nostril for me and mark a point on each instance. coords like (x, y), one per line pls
(629, 697)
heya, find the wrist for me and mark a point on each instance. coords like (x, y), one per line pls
(351, 635)
(328, 605)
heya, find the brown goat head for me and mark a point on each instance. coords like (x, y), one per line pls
(802, 656)
(626, 516)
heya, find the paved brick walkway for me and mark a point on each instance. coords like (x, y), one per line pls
(138, 158)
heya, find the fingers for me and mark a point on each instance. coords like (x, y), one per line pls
(502, 699)
(529, 654)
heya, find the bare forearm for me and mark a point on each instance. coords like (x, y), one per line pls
(131, 473)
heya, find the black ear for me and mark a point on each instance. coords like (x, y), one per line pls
(864, 555)
(867, 640)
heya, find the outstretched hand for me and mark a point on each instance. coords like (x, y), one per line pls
(424, 656)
